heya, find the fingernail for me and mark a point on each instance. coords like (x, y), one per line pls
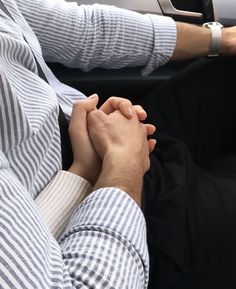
(93, 96)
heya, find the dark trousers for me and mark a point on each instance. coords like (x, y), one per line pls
(189, 194)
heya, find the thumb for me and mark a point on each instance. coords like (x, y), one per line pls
(89, 103)
(79, 113)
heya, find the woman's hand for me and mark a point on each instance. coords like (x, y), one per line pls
(85, 160)
(87, 163)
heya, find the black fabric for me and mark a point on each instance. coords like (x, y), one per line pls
(66, 149)
(189, 197)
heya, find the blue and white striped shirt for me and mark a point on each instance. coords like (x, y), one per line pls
(104, 244)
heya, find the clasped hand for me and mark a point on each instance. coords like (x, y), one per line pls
(113, 131)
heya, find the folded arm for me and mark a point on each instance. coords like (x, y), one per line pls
(193, 41)
(99, 247)
(67, 190)
(89, 36)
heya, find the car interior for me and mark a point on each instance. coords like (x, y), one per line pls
(128, 82)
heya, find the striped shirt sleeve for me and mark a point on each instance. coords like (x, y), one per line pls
(118, 253)
(104, 245)
(89, 36)
(60, 198)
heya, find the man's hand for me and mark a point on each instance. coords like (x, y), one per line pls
(228, 43)
(125, 106)
(86, 163)
(123, 146)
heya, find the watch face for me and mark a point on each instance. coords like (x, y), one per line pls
(208, 24)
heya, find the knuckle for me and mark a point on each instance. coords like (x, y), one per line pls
(112, 98)
(92, 116)
(139, 107)
(127, 102)
(144, 129)
(77, 105)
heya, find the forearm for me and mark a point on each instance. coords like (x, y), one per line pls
(106, 238)
(88, 36)
(193, 41)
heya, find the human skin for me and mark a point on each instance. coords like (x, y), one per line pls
(123, 146)
(86, 162)
(193, 41)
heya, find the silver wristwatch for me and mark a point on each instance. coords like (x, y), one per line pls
(216, 33)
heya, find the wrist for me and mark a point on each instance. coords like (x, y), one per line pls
(188, 45)
(216, 38)
(79, 171)
(122, 171)
(121, 161)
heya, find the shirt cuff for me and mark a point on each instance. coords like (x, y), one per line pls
(165, 36)
(60, 198)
